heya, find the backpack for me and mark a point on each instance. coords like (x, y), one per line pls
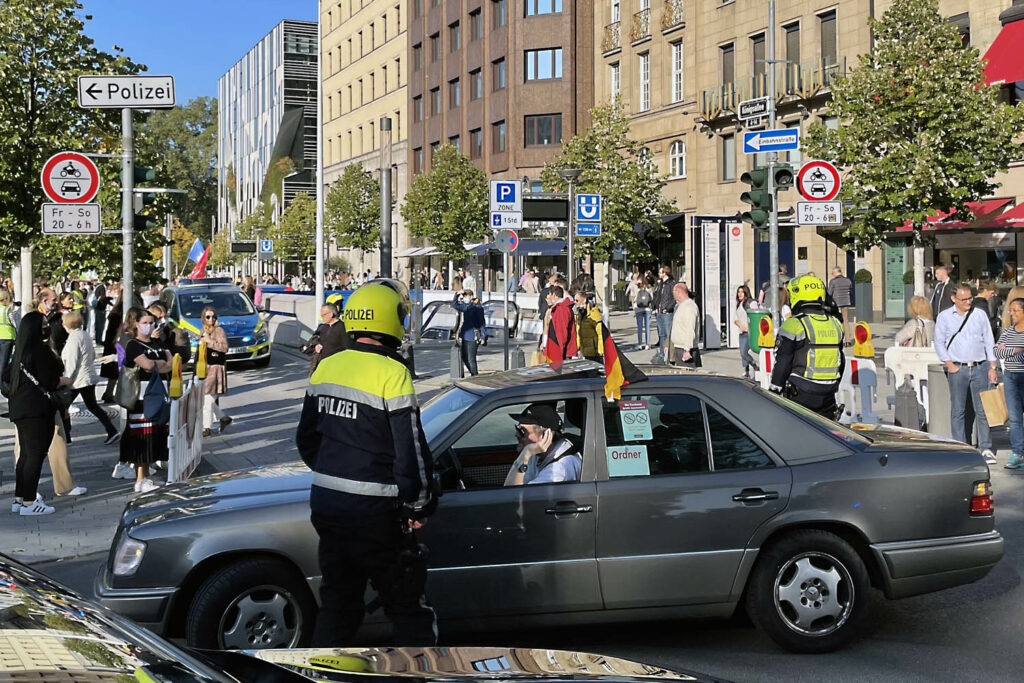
(643, 298)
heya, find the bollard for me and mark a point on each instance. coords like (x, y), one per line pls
(455, 362)
(905, 406)
(518, 359)
(938, 401)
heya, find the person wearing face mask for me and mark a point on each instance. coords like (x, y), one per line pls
(471, 331)
(216, 370)
(144, 442)
(329, 338)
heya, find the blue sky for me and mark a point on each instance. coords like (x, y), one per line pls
(196, 41)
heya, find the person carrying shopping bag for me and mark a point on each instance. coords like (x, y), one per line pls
(1010, 349)
(216, 370)
(79, 357)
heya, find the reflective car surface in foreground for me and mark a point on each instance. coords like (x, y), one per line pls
(699, 494)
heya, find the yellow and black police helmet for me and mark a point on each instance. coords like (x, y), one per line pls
(378, 308)
(806, 289)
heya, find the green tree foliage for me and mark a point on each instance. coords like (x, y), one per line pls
(921, 133)
(352, 209)
(43, 50)
(448, 204)
(180, 144)
(295, 237)
(182, 240)
(619, 169)
(257, 225)
(220, 251)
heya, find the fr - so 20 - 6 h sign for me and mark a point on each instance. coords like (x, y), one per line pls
(126, 92)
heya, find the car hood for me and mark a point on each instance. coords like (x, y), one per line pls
(279, 484)
(445, 663)
(890, 436)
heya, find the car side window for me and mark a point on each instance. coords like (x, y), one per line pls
(655, 435)
(482, 455)
(731, 448)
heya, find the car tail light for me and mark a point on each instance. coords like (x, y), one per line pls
(981, 499)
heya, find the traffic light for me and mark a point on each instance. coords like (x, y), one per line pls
(143, 174)
(144, 218)
(760, 199)
(784, 178)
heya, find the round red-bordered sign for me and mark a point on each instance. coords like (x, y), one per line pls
(818, 181)
(735, 231)
(70, 178)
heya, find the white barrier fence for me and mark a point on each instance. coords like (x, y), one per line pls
(185, 440)
(912, 362)
(857, 391)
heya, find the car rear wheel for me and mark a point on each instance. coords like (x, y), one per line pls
(252, 604)
(809, 592)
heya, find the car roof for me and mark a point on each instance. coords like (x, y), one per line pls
(576, 372)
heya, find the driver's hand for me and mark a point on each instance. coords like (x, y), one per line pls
(417, 523)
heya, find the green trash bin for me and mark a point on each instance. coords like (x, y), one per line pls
(754, 322)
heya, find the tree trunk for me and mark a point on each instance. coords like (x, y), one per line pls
(918, 270)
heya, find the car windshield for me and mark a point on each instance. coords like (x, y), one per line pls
(841, 432)
(441, 411)
(226, 302)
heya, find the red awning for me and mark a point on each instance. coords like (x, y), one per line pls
(1014, 218)
(982, 211)
(1006, 56)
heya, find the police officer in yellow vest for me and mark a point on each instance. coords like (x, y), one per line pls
(809, 352)
(7, 328)
(360, 433)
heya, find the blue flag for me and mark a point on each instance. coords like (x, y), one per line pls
(196, 252)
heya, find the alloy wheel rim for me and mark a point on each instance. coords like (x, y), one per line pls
(813, 594)
(261, 617)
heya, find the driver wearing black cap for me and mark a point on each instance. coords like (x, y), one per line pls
(545, 455)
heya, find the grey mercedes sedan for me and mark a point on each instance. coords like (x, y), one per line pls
(699, 494)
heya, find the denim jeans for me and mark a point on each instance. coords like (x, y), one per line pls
(469, 355)
(745, 350)
(1013, 385)
(664, 321)
(643, 326)
(971, 381)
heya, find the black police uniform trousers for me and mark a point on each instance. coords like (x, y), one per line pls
(823, 402)
(354, 550)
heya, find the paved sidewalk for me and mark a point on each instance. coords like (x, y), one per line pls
(265, 404)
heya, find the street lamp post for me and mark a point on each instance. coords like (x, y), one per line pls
(385, 196)
(570, 175)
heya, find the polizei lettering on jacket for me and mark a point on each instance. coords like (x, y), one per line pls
(359, 314)
(337, 406)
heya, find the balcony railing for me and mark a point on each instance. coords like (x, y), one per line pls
(641, 29)
(794, 82)
(611, 40)
(672, 14)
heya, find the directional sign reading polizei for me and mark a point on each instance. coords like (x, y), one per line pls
(507, 241)
(70, 178)
(588, 207)
(818, 181)
(750, 109)
(779, 140)
(819, 213)
(126, 92)
(71, 219)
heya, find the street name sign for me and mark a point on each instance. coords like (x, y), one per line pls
(752, 109)
(778, 140)
(818, 181)
(506, 220)
(588, 229)
(71, 219)
(588, 207)
(819, 213)
(507, 241)
(70, 178)
(266, 246)
(754, 122)
(125, 92)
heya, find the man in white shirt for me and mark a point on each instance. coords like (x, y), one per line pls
(469, 282)
(546, 456)
(964, 343)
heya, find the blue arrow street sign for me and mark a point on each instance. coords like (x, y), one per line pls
(771, 141)
(588, 229)
(588, 207)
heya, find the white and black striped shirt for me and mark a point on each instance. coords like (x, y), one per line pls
(1012, 339)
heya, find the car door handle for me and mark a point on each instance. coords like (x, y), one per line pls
(755, 496)
(568, 509)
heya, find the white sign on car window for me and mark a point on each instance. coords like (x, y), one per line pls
(628, 461)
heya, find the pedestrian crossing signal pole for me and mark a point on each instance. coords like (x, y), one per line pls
(127, 208)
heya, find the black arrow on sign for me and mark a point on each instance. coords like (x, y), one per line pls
(90, 90)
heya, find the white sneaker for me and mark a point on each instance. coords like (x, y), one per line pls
(123, 470)
(77, 491)
(160, 465)
(989, 456)
(37, 507)
(15, 507)
(145, 486)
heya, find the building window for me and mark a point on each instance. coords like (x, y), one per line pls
(476, 84)
(435, 101)
(793, 156)
(476, 143)
(498, 73)
(535, 7)
(456, 143)
(434, 146)
(417, 56)
(545, 129)
(499, 13)
(454, 94)
(792, 55)
(454, 37)
(758, 66)
(373, 36)
(615, 76)
(962, 22)
(677, 159)
(435, 3)
(384, 73)
(498, 131)
(435, 47)
(417, 109)
(728, 53)
(543, 64)
(417, 8)
(677, 71)
(645, 81)
(476, 25)
(398, 72)
(727, 164)
(829, 41)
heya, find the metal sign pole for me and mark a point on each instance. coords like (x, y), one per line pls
(168, 267)
(773, 157)
(127, 208)
(505, 309)
(572, 230)
(318, 276)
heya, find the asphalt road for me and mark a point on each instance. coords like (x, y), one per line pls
(969, 633)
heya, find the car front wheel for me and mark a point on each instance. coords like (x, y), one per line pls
(251, 604)
(809, 592)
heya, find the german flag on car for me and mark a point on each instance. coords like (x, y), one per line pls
(618, 370)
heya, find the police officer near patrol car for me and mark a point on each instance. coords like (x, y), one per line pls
(360, 433)
(809, 353)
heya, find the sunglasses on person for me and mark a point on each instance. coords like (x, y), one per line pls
(211, 317)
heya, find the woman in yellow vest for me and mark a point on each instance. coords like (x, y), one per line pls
(7, 329)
